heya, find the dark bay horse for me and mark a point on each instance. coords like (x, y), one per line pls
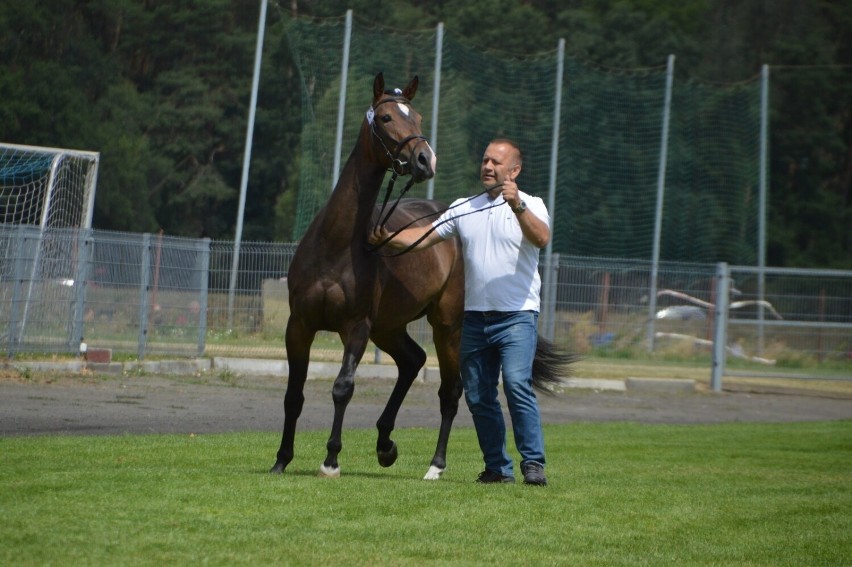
(337, 284)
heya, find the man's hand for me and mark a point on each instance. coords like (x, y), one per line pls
(510, 193)
(404, 239)
(378, 235)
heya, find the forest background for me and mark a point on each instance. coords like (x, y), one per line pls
(161, 89)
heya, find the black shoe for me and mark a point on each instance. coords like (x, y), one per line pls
(534, 474)
(489, 477)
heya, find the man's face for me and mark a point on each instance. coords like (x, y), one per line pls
(499, 164)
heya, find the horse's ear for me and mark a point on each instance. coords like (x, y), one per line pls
(379, 86)
(411, 89)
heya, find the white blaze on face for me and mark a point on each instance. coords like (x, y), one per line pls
(434, 157)
(403, 108)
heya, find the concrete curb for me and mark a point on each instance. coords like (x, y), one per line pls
(45, 366)
(660, 385)
(322, 370)
(250, 366)
(261, 367)
(189, 366)
(596, 384)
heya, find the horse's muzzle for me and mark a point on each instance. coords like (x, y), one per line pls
(423, 163)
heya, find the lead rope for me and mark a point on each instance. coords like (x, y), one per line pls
(410, 247)
(394, 157)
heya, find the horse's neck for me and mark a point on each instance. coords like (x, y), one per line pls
(351, 205)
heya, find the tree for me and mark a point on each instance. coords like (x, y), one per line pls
(161, 90)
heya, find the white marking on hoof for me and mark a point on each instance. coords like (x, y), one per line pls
(434, 473)
(329, 472)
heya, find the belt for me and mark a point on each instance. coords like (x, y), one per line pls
(498, 313)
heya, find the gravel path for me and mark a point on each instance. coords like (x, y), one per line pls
(80, 404)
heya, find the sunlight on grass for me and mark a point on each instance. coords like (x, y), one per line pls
(619, 494)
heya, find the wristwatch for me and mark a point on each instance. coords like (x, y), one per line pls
(520, 208)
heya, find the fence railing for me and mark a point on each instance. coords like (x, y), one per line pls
(147, 295)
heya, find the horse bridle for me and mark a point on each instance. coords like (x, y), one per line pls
(397, 165)
(394, 156)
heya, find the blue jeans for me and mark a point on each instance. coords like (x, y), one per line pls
(491, 341)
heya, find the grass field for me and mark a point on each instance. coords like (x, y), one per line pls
(619, 494)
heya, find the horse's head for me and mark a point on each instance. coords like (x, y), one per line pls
(395, 129)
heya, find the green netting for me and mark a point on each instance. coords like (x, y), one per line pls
(712, 197)
(609, 162)
(609, 139)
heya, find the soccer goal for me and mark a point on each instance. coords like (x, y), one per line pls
(46, 200)
(47, 187)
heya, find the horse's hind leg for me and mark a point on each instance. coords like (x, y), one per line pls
(409, 359)
(447, 348)
(298, 342)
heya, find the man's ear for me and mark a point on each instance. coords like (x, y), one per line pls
(515, 171)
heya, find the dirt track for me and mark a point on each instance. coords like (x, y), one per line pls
(75, 404)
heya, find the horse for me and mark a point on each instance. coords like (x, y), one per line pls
(338, 283)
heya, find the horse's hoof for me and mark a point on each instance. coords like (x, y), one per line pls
(329, 472)
(277, 469)
(387, 458)
(434, 473)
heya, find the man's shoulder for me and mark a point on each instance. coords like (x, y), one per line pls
(467, 203)
(537, 206)
(530, 198)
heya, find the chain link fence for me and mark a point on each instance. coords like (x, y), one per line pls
(145, 295)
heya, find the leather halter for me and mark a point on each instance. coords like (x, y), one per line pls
(397, 165)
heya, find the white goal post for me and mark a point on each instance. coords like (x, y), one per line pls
(47, 197)
(47, 187)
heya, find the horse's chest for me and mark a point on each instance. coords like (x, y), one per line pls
(334, 292)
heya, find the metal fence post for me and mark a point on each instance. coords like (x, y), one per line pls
(549, 303)
(17, 288)
(661, 187)
(761, 215)
(549, 298)
(81, 276)
(720, 325)
(203, 268)
(436, 99)
(341, 101)
(238, 233)
(144, 284)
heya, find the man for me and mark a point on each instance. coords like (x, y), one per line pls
(501, 232)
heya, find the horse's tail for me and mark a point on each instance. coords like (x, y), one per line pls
(551, 366)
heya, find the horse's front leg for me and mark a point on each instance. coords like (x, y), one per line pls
(355, 342)
(298, 341)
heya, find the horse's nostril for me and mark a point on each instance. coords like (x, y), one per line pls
(421, 159)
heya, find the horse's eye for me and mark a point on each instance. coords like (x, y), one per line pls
(386, 118)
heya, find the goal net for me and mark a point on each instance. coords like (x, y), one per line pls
(46, 201)
(47, 187)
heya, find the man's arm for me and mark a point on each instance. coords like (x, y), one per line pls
(535, 230)
(405, 238)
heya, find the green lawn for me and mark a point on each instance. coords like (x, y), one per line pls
(619, 494)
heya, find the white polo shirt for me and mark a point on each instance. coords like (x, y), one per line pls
(500, 265)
